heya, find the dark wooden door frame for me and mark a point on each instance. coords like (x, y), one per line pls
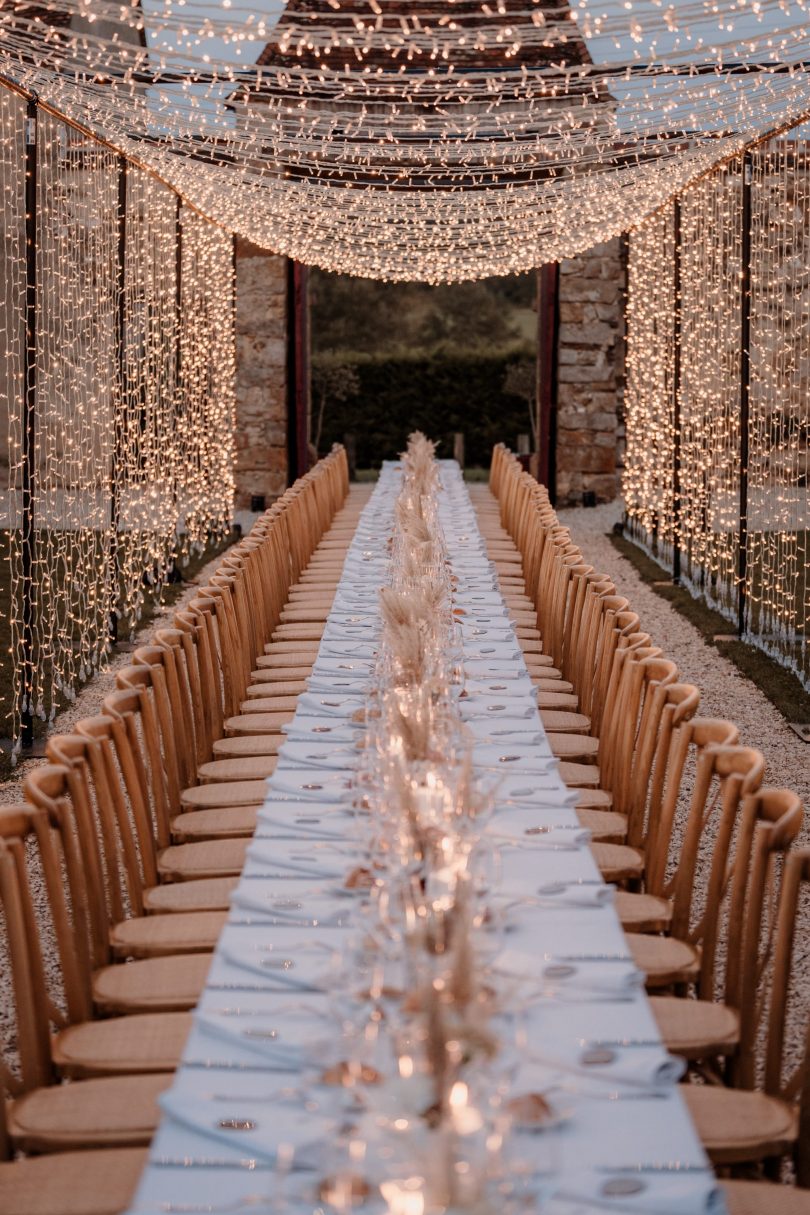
(548, 330)
(298, 370)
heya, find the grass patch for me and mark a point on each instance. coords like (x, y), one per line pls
(781, 686)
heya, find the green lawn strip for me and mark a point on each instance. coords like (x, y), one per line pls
(781, 686)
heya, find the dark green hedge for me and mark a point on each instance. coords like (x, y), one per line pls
(439, 394)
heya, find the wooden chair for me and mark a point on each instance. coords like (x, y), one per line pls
(72, 1183)
(154, 796)
(224, 809)
(747, 1124)
(40, 1114)
(119, 859)
(723, 801)
(153, 984)
(719, 1034)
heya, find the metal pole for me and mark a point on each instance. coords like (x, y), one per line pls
(745, 390)
(676, 395)
(121, 404)
(179, 401)
(29, 433)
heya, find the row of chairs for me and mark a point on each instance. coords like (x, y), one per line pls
(709, 877)
(117, 870)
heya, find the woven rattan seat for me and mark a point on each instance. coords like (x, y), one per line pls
(270, 702)
(764, 1198)
(604, 825)
(569, 747)
(154, 935)
(737, 1126)
(219, 858)
(696, 1029)
(170, 984)
(257, 723)
(558, 721)
(151, 1042)
(75, 1183)
(120, 1111)
(244, 745)
(224, 794)
(208, 894)
(643, 912)
(664, 960)
(618, 862)
(229, 822)
(248, 768)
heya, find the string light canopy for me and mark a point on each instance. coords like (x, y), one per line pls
(419, 139)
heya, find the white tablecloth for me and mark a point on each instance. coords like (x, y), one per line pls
(623, 1124)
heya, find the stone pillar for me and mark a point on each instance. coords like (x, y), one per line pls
(590, 373)
(261, 376)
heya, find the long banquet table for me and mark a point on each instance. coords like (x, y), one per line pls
(236, 1133)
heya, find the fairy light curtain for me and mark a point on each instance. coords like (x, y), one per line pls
(420, 139)
(649, 398)
(685, 450)
(132, 419)
(779, 464)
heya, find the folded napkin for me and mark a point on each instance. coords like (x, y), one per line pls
(538, 837)
(496, 707)
(276, 822)
(577, 894)
(351, 668)
(485, 668)
(322, 729)
(301, 966)
(611, 977)
(316, 754)
(325, 704)
(517, 687)
(306, 785)
(664, 1193)
(348, 649)
(602, 1064)
(501, 758)
(312, 905)
(505, 731)
(254, 1128)
(472, 600)
(345, 685)
(533, 789)
(478, 650)
(310, 861)
(281, 1036)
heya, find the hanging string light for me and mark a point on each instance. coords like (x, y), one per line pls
(718, 444)
(420, 140)
(121, 461)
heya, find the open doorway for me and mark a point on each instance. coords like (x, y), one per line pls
(457, 361)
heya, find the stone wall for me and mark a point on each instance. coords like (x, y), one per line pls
(261, 375)
(590, 373)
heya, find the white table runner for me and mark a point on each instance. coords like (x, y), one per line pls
(625, 1142)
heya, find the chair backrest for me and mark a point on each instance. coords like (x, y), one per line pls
(771, 925)
(138, 746)
(30, 1012)
(725, 780)
(687, 739)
